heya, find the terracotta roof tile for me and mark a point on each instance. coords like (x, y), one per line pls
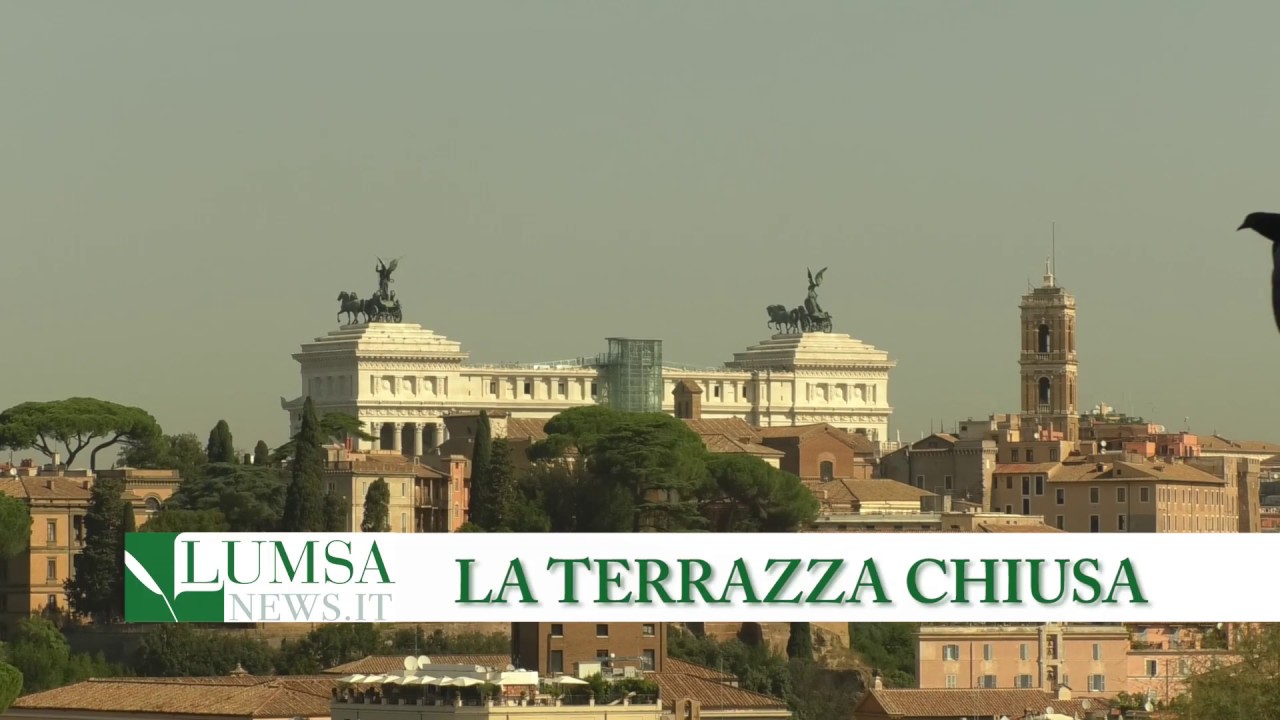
(1025, 468)
(1217, 443)
(46, 487)
(249, 697)
(726, 444)
(730, 427)
(527, 429)
(395, 663)
(1158, 471)
(859, 442)
(882, 490)
(688, 386)
(684, 667)
(916, 703)
(1017, 528)
(713, 695)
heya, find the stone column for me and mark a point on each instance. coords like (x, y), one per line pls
(420, 436)
(395, 437)
(375, 429)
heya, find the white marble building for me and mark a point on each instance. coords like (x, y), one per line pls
(402, 379)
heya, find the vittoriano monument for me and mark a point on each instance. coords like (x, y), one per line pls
(809, 317)
(382, 307)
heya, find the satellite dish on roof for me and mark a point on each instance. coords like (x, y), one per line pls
(410, 663)
(510, 667)
(1149, 706)
(1086, 704)
(423, 661)
(1048, 710)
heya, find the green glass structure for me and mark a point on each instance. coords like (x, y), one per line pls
(632, 375)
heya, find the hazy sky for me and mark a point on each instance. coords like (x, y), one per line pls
(185, 187)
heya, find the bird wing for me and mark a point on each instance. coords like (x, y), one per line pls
(1275, 282)
(392, 267)
(817, 279)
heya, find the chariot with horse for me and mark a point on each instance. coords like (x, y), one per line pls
(809, 317)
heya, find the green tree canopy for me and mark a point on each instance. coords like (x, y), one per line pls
(128, 524)
(483, 496)
(746, 494)
(249, 498)
(800, 642)
(888, 647)
(15, 526)
(575, 429)
(335, 513)
(333, 427)
(330, 645)
(184, 453)
(97, 588)
(74, 424)
(415, 640)
(43, 656)
(10, 685)
(494, 501)
(221, 448)
(178, 650)
(177, 520)
(757, 667)
(261, 454)
(377, 508)
(1245, 688)
(660, 465)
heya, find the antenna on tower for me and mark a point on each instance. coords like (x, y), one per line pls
(1053, 247)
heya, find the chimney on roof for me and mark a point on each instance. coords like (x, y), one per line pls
(239, 671)
(877, 682)
(688, 400)
(48, 483)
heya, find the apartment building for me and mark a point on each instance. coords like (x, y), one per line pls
(424, 497)
(1163, 657)
(1089, 659)
(32, 582)
(1107, 494)
(584, 649)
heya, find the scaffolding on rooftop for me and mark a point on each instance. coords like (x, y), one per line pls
(632, 375)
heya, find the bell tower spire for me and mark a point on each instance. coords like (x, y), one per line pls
(1049, 367)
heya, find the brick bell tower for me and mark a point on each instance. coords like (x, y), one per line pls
(1050, 371)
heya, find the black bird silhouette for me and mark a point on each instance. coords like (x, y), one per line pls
(1268, 226)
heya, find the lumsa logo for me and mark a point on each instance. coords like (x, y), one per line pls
(216, 578)
(150, 591)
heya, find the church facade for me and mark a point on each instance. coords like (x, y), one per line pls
(402, 380)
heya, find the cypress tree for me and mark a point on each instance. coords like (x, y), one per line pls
(377, 508)
(484, 496)
(127, 523)
(305, 502)
(800, 643)
(261, 454)
(335, 513)
(97, 589)
(221, 449)
(502, 479)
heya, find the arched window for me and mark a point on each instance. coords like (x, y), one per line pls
(153, 505)
(1043, 338)
(1045, 391)
(827, 469)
